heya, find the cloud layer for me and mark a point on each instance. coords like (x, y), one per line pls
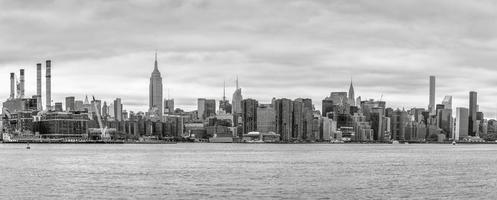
(280, 48)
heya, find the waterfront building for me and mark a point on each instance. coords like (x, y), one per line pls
(266, 118)
(461, 124)
(415, 131)
(398, 123)
(473, 109)
(284, 118)
(329, 129)
(445, 121)
(249, 115)
(155, 91)
(173, 126)
(376, 117)
(302, 120)
(317, 126)
(362, 128)
(62, 125)
(70, 104)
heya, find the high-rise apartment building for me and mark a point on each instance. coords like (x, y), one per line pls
(462, 123)
(473, 109)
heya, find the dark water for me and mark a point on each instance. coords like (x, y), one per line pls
(248, 171)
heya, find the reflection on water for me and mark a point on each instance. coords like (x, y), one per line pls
(242, 171)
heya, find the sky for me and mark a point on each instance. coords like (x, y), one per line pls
(278, 48)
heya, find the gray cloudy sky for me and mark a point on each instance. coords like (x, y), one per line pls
(278, 48)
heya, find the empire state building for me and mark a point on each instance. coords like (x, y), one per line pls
(155, 95)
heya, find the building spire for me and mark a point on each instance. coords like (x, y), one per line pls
(236, 82)
(156, 67)
(224, 90)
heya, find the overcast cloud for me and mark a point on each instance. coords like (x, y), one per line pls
(278, 48)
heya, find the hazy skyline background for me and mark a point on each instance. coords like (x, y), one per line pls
(277, 48)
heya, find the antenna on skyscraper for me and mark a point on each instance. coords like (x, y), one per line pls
(224, 90)
(236, 81)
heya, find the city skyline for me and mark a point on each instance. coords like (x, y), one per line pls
(195, 59)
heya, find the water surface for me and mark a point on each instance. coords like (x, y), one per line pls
(247, 171)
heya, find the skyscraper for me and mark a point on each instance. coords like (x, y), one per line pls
(237, 100)
(431, 106)
(266, 118)
(462, 116)
(105, 110)
(351, 94)
(155, 92)
(284, 118)
(447, 102)
(118, 110)
(206, 108)
(473, 109)
(302, 119)
(327, 106)
(200, 108)
(398, 123)
(210, 108)
(249, 115)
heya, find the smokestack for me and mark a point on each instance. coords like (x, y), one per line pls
(12, 86)
(38, 86)
(22, 83)
(48, 84)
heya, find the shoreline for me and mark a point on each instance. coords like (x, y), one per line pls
(176, 142)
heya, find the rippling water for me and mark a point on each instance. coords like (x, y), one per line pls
(247, 171)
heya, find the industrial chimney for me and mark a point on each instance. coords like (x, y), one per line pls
(48, 84)
(38, 86)
(21, 72)
(12, 86)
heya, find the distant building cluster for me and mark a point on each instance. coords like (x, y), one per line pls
(342, 118)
